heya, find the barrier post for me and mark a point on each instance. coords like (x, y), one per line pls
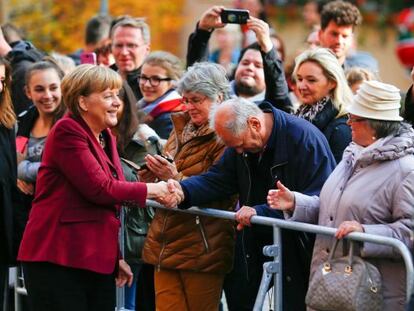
(19, 288)
(272, 268)
(278, 288)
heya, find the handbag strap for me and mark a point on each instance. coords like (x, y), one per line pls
(350, 253)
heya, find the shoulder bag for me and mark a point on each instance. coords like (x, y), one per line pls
(345, 284)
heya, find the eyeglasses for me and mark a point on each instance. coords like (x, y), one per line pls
(128, 46)
(154, 81)
(193, 101)
(355, 119)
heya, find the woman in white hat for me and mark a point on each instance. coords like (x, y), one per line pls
(371, 190)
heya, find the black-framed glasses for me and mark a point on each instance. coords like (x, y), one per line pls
(194, 101)
(355, 119)
(154, 81)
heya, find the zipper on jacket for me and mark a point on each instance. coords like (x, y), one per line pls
(247, 202)
(203, 233)
(249, 177)
(163, 243)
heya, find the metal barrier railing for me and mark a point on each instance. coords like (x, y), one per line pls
(275, 251)
(273, 267)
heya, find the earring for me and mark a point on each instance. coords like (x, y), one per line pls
(374, 138)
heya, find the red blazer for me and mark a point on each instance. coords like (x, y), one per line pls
(74, 218)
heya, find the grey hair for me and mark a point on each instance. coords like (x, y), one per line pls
(342, 94)
(242, 110)
(206, 78)
(138, 23)
(384, 128)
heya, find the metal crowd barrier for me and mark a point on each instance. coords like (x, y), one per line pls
(272, 267)
(275, 267)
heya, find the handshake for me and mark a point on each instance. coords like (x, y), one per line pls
(169, 193)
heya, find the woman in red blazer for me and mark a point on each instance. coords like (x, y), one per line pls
(70, 249)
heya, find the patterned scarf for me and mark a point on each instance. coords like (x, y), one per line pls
(191, 130)
(309, 112)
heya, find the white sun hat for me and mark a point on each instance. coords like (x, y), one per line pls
(378, 101)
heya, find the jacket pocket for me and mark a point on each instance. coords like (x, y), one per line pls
(79, 214)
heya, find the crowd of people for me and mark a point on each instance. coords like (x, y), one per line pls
(319, 139)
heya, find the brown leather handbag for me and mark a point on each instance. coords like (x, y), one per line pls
(345, 284)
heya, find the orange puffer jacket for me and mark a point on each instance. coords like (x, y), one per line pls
(189, 242)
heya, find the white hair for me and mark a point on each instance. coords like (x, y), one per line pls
(241, 110)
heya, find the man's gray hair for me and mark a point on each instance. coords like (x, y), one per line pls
(138, 23)
(205, 78)
(241, 109)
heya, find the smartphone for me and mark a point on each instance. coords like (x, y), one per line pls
(88, 58)
(144, 166)
(234, 16)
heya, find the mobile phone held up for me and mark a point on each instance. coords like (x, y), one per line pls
(88, 58)
(234, 16)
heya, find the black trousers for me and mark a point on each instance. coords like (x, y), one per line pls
(3, 281)
(241, 285)
(59, 288)
(145, 297)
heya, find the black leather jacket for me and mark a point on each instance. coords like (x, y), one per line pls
(276, 85)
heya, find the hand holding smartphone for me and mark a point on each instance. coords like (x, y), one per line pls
(88, 58)
(234, 16)
(145, 167)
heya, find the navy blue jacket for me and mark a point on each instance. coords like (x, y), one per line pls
(298, 155)
(336, 130)
(300, 158)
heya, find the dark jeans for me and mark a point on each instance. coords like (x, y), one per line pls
(59, 288)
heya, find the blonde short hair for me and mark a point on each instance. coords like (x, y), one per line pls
(85, 80)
